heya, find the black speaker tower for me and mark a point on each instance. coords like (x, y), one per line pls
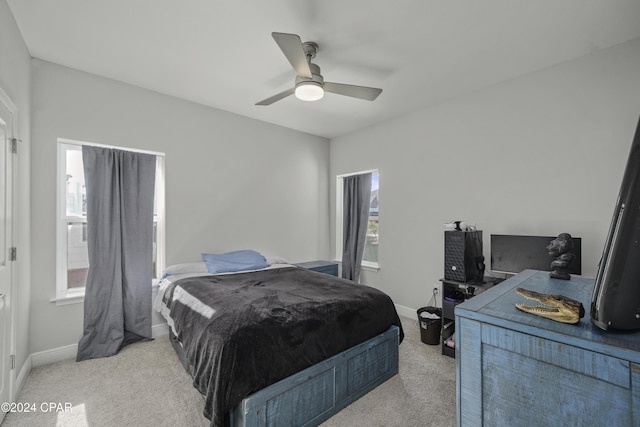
(463, 259)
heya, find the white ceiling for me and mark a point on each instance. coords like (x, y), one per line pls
(221, 53)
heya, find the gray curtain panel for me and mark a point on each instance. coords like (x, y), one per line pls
(355, 216)
(117, 304)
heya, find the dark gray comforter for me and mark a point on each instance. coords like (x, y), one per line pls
(244, 332)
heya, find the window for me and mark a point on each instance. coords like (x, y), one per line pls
(73, 257)
(371, 244)
(370, 255)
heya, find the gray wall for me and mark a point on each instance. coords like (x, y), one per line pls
(15, 82)
(231, 182)
(541, 154)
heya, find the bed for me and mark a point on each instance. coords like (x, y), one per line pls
(279, 345)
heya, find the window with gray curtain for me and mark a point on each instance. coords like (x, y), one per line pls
(355, 217)
(120, 196)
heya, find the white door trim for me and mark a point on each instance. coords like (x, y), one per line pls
(8, 103)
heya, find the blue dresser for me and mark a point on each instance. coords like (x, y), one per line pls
(517, 369)
(326, 267)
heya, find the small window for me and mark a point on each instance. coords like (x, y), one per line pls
(370, 255)
(371, 244)
(73, 257)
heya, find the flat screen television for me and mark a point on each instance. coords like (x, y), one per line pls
(615, 303)
(513, 253)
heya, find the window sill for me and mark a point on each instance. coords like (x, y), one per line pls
(370, 266)
(77, 297)
(69, 298)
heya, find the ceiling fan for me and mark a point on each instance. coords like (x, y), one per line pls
(310, 86)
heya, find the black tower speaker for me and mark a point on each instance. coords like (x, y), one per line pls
(463, 260)
(615, 303)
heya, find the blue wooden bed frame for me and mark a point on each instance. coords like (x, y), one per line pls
(313, 395)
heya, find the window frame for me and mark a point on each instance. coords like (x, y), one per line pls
(64, 294)
(339, 210)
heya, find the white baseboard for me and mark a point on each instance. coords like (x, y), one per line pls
(22, 377)
(54, 355)
(406, 311)
(58, 354)
(159, 330)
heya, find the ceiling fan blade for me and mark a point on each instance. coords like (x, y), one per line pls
(291, 46)
(277, 97)
(362, 92)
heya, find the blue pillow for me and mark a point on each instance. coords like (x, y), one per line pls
(234, 261)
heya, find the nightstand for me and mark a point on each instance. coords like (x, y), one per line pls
(326, 267)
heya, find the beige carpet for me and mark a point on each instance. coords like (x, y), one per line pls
(145, 385)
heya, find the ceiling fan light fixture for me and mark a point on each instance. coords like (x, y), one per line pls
(309, 91)
(310, 85)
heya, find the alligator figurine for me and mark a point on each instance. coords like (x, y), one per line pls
(565, 310)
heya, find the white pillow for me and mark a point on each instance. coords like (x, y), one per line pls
(189, 267)
(275, 259)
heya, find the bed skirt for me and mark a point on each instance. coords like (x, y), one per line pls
(313, 395)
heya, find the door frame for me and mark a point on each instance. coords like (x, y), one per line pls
(13, 109)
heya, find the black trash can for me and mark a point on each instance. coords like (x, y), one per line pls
(429, 326)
